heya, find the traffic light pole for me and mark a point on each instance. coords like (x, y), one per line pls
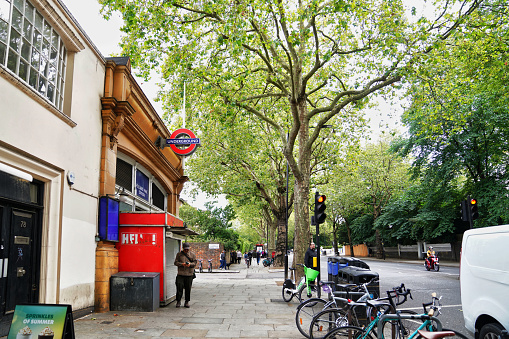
(470, 221)
(318, 291)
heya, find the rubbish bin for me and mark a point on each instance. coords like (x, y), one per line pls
(332, 268)
(134, 291)
(351, 261)
(359, 275)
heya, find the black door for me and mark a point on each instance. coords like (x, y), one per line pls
(20, 243)
(20, 272)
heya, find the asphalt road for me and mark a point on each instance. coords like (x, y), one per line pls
(422, 283)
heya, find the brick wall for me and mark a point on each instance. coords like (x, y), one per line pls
(202, 251)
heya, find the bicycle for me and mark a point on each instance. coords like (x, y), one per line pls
(200, 265)
(397, 325)
(209, 269)
(248, 262)
(356, 313)
(308, 309)
(305, 284)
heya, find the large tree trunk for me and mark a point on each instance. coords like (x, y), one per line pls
(302, 237)
(279, 260)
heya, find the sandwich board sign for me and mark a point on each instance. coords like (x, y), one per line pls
(47, 321)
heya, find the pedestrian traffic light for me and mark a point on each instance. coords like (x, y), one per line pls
(320, 208)
(473, 209)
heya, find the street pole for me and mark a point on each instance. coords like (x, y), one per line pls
(317, 247)
(286, 219)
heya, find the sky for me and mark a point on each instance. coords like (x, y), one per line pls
(106, 35)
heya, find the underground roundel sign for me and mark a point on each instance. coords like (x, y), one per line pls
(183, 142)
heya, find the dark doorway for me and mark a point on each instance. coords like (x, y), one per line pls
(20, 244)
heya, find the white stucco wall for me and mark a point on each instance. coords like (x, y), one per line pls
(37, 141)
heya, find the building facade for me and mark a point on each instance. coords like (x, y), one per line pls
(51, 85)
(74, 127)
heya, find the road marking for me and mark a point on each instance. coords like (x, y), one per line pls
(420, 308)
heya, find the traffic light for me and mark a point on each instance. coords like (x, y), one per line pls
(320, 208)
(474, 212)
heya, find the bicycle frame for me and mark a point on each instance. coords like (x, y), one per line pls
(427, 324)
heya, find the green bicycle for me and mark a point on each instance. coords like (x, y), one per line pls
(305, 289)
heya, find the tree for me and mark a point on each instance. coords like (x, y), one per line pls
(458, 127)
(313, 58)
(213, 224)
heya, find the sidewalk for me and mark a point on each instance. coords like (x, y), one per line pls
(240, 303)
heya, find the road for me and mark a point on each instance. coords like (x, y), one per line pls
(422, 283)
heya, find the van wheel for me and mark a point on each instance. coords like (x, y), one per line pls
(491, 331)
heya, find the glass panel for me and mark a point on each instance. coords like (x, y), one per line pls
(37, 41)
(3, 49)
(53, 56)
(54, 40)
(5, 10)
(51, 91)
(47, 31)
(23, 69)
(42, 85)
(19, 4)
(15, 40)
(43, 66)
(29, 11)
(38, 21)
(32, 81)
(12, 60)
(17, 20)
(52, 74)
(45, 48)
(27, 29)
(4, 30)
(35, 58)
(25, 50)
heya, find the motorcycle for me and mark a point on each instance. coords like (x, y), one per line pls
(431, 263)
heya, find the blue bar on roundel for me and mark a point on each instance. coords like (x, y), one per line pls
(183, 141)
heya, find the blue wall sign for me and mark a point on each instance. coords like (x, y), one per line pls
(141, 185)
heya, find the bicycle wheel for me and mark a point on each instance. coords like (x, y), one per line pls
(401, 328)
(303, 295)
(287, 292)
(326, 321)
(348, 332)
(305, 313)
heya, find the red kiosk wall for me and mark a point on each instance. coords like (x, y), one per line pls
(141, 247)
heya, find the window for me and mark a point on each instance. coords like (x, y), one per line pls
(157, 197)
(124, 175)
(32, 49)
(144, 190)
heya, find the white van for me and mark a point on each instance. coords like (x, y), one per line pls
(484, 278)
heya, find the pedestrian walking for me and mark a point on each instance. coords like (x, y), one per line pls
(310, 254)
(239, 257)
(233, 257)
(222, 260)
(186, 262)
(258, 255)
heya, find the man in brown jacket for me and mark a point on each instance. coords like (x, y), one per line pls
(185, 261)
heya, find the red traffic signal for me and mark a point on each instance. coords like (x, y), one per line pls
(320, 208)
(474, 212)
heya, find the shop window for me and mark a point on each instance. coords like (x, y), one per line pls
(32, 50)
(157, 197)
(124, 175)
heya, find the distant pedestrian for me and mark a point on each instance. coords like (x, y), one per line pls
(185, 262)
(258, 255)
(233, 257)
(222, 260)
(239, 257)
